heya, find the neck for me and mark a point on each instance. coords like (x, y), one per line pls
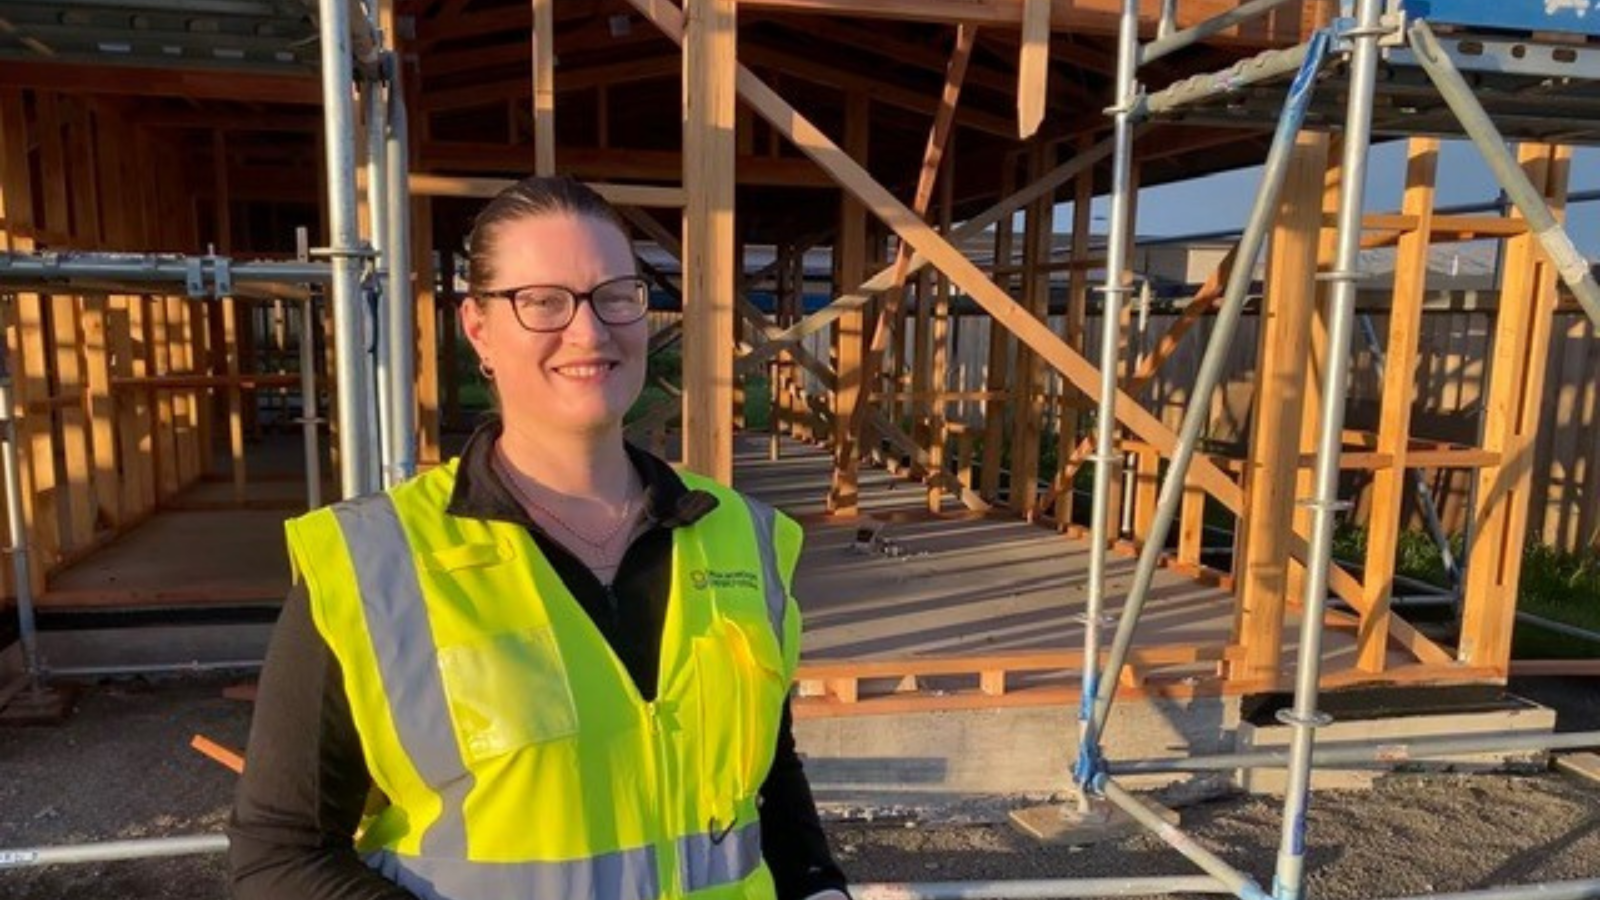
(593, 465)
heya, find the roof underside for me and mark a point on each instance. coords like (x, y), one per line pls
(248, 67)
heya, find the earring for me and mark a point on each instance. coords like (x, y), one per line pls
(485, 370)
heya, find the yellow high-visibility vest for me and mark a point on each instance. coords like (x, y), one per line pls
(518, 757)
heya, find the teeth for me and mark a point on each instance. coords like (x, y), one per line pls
(584, 371)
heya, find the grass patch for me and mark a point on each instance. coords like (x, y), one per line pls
(1555, 584)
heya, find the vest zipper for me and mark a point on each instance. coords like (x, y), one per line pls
(666, 857)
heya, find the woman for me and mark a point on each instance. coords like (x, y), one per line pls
(558, 667)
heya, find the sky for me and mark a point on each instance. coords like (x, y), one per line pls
(1221, 202)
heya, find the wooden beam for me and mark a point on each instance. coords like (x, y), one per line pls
(1285, 330)
(1096, 17)
(709, 67)
(796, 66)
(1511, 422)
(646, 195)
(141, 81)
(850, 265)
(598, 164)
(1394, 417)
(544, 92)
(1033, 67)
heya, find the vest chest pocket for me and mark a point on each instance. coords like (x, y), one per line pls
(741, 700)
(507, 691)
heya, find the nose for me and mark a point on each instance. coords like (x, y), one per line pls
(586, 329)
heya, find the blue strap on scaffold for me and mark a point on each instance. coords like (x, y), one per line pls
(1091, 764)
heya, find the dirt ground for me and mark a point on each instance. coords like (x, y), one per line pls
(121, 768)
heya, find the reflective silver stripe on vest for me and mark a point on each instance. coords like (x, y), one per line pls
(765, 519)
(707, 863)
(402, 642)
(625, 875)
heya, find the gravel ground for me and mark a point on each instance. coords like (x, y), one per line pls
(121, 768)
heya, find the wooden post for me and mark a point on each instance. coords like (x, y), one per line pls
(1072, 331)
(544, 89)
(994, 409)
(1394, 423)
(230, 336)
(709, 64)
(1316, 357)
(427, 303)
(1270, 479)
(1026, 407)
(850, 250)
(1511, 424)
(939, 341)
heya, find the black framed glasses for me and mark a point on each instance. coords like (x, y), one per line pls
(551, 307)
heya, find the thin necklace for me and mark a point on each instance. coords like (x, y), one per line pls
(600, 543)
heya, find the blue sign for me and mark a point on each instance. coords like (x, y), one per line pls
(1571, 16)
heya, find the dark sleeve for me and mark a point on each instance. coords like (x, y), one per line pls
(792, 841)
(305, 782)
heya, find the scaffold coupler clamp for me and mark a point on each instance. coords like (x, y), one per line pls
(1390, 30)
(1314, 719)
(1135, 107)
(1315, 504)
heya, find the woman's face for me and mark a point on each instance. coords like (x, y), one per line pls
(583, 378)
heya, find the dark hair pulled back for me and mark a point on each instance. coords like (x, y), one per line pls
(528, 198)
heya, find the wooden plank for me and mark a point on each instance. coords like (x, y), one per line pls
(1384, 520)
(544, 88)
(1511, 424)
(1033, 67)
(850, 252)
(1277, 416)
(709, 41)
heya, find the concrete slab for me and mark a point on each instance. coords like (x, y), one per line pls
(935, 758)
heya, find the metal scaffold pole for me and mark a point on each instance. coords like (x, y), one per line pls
(1105, 468)
(379, 307)
(402, 320)
(1304, 718)
(345, 249)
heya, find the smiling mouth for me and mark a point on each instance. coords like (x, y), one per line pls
(586, 370)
